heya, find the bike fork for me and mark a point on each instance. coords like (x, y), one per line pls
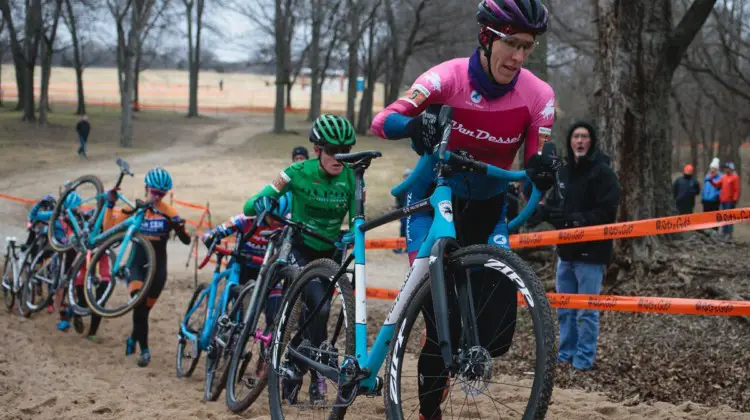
(440, 297)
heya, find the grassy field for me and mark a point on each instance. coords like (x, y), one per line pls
(169, 89)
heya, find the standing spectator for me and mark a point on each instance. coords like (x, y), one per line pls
(83, 128)
(400, 203)
(221, 85)
(685, 190)
(300, 154)
(586, 194)
(710, 196)
(729, 184)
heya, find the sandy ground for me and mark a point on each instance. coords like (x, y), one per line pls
(49, 375)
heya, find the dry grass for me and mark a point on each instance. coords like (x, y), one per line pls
(168, 88)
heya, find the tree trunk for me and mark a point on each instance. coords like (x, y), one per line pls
(316, 94)
(19, 83)
(44, 91)
(48, 44)
(638, 53)
(194, 54)
(31, 46)
(197, 61)
(352, 60)
(77, 61)
(136, 80)
(129, 57)
(371, 72)
(281, 68)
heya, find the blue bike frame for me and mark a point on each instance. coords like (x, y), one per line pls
(131, 225)
(441, 236)
(232, 275)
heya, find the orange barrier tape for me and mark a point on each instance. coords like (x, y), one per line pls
(648, 227)
(17, 199)
(657, 305)
(190, 205)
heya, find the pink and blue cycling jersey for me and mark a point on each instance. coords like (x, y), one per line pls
(490, 130)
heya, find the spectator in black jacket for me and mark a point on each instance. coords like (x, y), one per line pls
(685, 189)
(83, 128)
(587, 194)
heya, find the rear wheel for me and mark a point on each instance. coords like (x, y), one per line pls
(9, 297)
(91, 190)
(42, 280)
(248, 371)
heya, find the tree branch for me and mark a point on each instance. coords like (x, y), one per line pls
(683, 35)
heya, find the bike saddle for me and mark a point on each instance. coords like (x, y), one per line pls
(359, 159)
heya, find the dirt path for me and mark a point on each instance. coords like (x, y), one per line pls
(45, 374)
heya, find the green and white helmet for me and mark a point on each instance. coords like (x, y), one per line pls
(332, 129)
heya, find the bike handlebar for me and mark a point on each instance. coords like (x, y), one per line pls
(442, 156)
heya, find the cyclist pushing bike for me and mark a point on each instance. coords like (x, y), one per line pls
(156, 228)
(498, 106)
(322, 191)
(255, 245)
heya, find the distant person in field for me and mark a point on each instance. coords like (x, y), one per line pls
(221, 85)
(83, 128)
(685, 189)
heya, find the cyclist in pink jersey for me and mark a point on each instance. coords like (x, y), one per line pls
(497, 107)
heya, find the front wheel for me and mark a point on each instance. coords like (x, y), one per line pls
(136, 270)
(187, 360)
(220, 350)
(514, 343)
(293, 386)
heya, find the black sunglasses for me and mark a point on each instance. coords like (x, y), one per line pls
(332, 150)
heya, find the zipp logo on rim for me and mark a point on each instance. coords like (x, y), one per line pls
(503, 268)
(393, 386)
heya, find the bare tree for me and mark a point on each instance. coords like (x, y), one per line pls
(194, 10)
(25, 56)
(72, 18)
(153, 28)
(639, 51)
(128, 46)
(413, 26)
(318, 68)
(2, 55)
(358, 21)
(49, 34)
(375, 51)
(282, 30)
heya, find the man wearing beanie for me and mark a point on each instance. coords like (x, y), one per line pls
(587, 193)
(685, 190)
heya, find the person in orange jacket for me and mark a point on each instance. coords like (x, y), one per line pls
(729, 185)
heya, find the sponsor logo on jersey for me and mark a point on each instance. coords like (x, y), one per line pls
(549, 110)
(417, 95)
(280, 182)
(484, 135)
(434, 80)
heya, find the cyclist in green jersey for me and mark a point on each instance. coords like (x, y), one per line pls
(322, 194)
